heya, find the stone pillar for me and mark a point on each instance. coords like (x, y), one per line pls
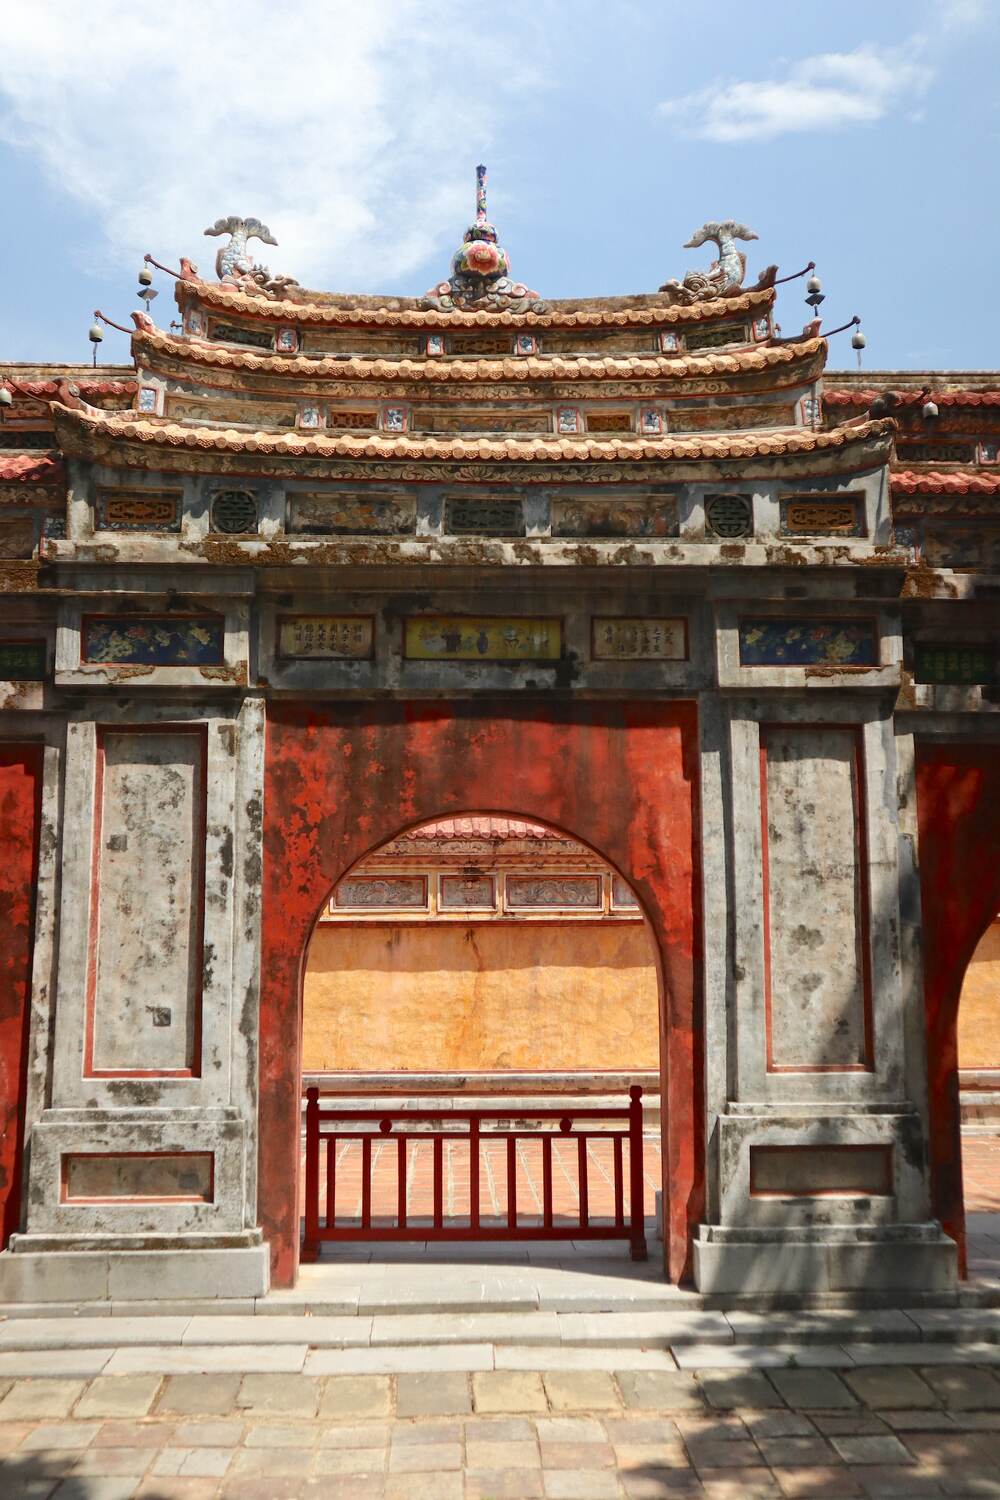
(142, 1168)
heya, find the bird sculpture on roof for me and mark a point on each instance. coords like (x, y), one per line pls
(724, 277)
(235, 267)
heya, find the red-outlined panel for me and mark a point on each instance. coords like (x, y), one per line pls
(104, 732)
(866, 1063)
(84, 1198)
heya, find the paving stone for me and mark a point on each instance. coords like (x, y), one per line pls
(194, 1463)
(119, 1396)
(723, 1426)
(356, 1396)
(199, 1395)
(577, 1455)
(394, 1360)
(881, 1483)
(122, 1434)
(110, 1487)
(814, 1452)
(829, 1483)
(404, 1433)
(581, 1390)
(884, 1449)
(641, 1429)
(60, 1435)
(508, 1390)
(295, 1395)
(579, 1484)
(347, 1487)
(707, 1453)
(269, 1487)
(890, 1387)
(970, 1482)
(158, 1488)
(482, 1454)
(425, 1458)
(448, 1392)
(260, 1462)
(934, 1420)
(812, 1390)
(271, 1435)
(350, 1461)
(664, 1455)
(964, 1389)
(567, 1430)
(660, 1484)
(207, 1434)
(365, 1435)
(11, 1434)
(726, 1390)
(778, 1424)
(848, 1423)
(55, 1364)
(660, 1390)
(101, 1461)
(34, 1489)
(739, 1484)
(40, 1398)
(423, 1486)
(503, 1484)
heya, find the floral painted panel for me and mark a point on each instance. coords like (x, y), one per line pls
(152, 641)
(808, 643)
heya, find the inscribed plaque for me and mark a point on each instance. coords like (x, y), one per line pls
(22, 661)
(471, 638)
(150, 641)
(332, 637)
(806, 516)
(943, 662)
(806, 643)
(638, 639)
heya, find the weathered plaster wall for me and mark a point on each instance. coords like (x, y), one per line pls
(979, 1005)
(621, 777)
(480, 996)
(20, 808)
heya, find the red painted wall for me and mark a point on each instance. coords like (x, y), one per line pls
(620, 777)
(958, 810)
(20, 802)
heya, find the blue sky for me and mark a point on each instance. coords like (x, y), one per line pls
(865, 136)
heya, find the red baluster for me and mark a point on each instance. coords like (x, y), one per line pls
(473, 1172)
(581, 1148)
(511, 1183)
(310, 1248)
(401, 1182)
(637, 1210)
(547, 1181)
(366, 1182)
(331, 1181)
(438, 1182)
(619, 1185)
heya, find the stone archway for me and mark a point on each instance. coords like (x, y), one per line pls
(958, 809)
(621, 778)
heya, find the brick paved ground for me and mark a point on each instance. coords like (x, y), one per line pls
(981, 1173)
(579, 1434)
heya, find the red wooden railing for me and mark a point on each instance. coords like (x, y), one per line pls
(327, 1128)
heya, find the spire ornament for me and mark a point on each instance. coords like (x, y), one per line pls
(480, 270)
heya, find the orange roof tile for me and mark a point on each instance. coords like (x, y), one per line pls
(479, 827)
(944, 482)
(288, 311)
(470, 371)
(864, 399)
(74, 426)
(30, 468)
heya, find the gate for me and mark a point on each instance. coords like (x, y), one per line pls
(480, 1136)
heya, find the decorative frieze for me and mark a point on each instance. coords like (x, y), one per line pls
(553, 892)
(716, 337)
(481, 638)
(773, 642)
(653, 516)
(729, 418)
(638, 639)
(361, 513)
(230, 333)
(234, 512)
(17, 537)
(390, 893)
(138, 510)
(484, 517)
(467, 893)
(956, 546)
(351, 420)
(610, 421)
(329, 637)
(817, 515)
(152, 641)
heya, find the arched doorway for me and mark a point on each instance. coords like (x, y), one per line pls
(618, 777)
(958, 807)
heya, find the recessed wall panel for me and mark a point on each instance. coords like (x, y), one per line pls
(146, 912)
(815, 914)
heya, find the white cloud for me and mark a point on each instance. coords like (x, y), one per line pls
(826, 92)
(352, 129)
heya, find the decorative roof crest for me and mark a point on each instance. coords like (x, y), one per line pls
(480, 270)
(235, 267)
(724, 278)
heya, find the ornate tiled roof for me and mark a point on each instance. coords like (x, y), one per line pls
(862, 399)
(78, 429)
(87, 387)
(945, 482)
(405, 312)
(482, 828)
(471, 370)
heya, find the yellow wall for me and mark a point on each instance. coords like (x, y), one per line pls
(483, 995)
(979, 1007)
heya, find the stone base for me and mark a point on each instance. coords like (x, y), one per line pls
(31, 1275)
(904, 1259)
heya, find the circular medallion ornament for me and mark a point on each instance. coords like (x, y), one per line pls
(234, 512)
(729, 515)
